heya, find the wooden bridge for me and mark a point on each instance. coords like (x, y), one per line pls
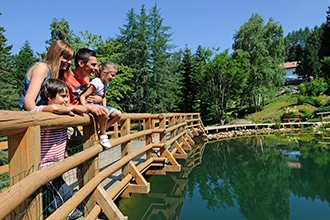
(142, 144)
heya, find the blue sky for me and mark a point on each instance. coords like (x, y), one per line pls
(210, 23)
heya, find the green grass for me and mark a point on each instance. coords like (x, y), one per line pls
(273, 111)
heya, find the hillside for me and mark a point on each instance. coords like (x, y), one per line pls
(275, 108)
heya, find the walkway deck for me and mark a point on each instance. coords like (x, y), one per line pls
(225, 128)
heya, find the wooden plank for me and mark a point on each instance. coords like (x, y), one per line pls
(107, 205)
(175, 167)
(178, 146)
(186, 145)
(136, 174)
(189, 139)
(135, 188)
(142, 185)
(180, 156)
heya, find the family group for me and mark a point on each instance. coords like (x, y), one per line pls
(52, 86)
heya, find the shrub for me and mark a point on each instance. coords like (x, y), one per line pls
(315, 101)
(314, 87)
(322, 109)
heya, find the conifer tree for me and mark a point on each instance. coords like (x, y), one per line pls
(134, 55)
(145, 45)
(9, 95)
(310, 63)
(202, 56)
(60, 30)
(23, 61)
(161, 96)
(188, 85)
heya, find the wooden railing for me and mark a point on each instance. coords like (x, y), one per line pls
(144, 143)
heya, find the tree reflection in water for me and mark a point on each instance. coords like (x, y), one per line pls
(250, 175)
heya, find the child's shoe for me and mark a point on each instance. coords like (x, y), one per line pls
(104, 141)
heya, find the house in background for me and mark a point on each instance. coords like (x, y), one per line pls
(290, 68)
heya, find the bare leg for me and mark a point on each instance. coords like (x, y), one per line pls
(102, 124)
(114, 117)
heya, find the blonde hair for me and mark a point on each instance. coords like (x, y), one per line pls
(106, 67)
(53, 57)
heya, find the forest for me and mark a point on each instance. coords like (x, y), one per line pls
(156, 77)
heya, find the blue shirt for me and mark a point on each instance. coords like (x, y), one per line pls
(26, 84)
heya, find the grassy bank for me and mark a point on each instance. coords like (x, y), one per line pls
(275, 108)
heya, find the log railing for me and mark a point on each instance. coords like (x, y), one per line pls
(145, 143)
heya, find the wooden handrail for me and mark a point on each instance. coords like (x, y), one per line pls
(22, 130)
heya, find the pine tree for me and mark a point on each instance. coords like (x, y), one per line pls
(135, 54)
(60, 30)
(188, 85)
(202, 56)
(23, 61)
(9, 95)
(310, 62)
(295, 43)
(145, 48)
(161, 97)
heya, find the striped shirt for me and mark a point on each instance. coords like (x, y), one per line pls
(53, 144)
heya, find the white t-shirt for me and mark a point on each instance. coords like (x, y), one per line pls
(100, 88)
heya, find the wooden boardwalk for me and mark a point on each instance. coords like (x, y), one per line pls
(226, 128)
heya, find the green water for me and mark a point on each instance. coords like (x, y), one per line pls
(256, 178)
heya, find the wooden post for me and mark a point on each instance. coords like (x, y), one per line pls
(90, 168)
(24, 158)
(125, 147)
(148, 125)
(171, 122)
(162, 136)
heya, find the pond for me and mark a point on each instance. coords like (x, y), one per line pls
(262, 177)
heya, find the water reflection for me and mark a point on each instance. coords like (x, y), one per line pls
(167, 193)
(247, 178)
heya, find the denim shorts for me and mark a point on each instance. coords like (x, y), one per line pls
(110, 109)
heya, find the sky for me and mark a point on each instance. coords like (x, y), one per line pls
(209, 23)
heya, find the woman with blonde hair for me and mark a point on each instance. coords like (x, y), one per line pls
(55, 65)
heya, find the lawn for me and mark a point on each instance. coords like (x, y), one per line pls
(273, 110)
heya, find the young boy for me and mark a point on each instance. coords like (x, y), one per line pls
(54, 94)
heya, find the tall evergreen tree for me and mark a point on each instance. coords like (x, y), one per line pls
(188, 85)
(310, 62)
(9, 95)
(295, 43)
(23, 61)
(202, 57)
(145, 48)
(135, 55)
(324, 53)
(160, 81)
(175, 63)
(60, 30)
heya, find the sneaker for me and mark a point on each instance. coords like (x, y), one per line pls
(76, 213)
(104, 141)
